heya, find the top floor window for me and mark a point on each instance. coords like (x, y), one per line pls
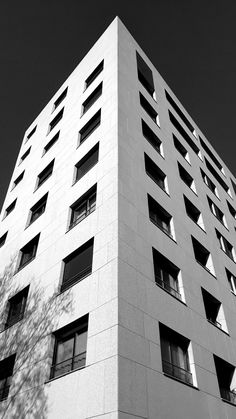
(59, 100)
(145, 76)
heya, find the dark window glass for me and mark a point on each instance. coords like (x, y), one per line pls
(231, 210)
(217, 176)
(154, 172)
(159, 216)
(180, 113)
(28, 252)
(145, 75)
(6, 372)
(31, 133)
(149, 109)
(225, 374)
(209, 183)
(45, 174)
(216, 211)
(91, 125)
(10, 208)
(18, 180)
(83, 207)
(151, 137)
(212, 307)
(92, 98)
(184, 134)
(234, 186)
(87, 162)
(55, 120)
(186, 177)
(193, 212)
(51, 142)
(17, 307)
(3, 239)
(181, 149)
(23, 157)
(202, 256)
(38, 209)
(166, 274)
(60, 98)
(94, 74)
(231, 280)
(226, 246)
(209, 152)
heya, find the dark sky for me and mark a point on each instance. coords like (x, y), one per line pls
(191, 43)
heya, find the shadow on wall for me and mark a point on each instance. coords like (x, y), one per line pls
(30, 340)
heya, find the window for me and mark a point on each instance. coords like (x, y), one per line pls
(55, 120)
(38, 209)
(92, 98)
(225, 373)
(70, 347)
(193, 213)
(6, 372)
(77, 265)
(152, 138)
(60, 99)
(187, 178)
(214, 310)
(160, 217)
(94, 74)
(174, 354)
(3, 239)
(51, 143)
(87, 162)
(166, 274)
(231, 280)
(17, 306)
(45, 174)
(234, 186)
(145, 76)
(10, 208)
(209, 183)
(184, 134)
(28, 252)
(226, 246)
(155, 173)
(217, 177)
(217, 212)
(149, 109)
(91, 125)
(83, 207)
(231, 210)
(203, 256)
(180, 113)
(212, 156)
(18, 180)
(23, 157)
(181, 149)
(31, 133)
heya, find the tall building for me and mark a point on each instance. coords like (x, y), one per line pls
(117, 235)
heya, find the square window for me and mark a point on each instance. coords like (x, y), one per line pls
(87, 162)
(38, 209)
(59, 100)
(94, 74)
(160, 217)
(166, 274)
(51, 143)
(55, 120)
(88, 128)
(28, 252)
(155, 173)
(186, 178)
(193, 213)
(203, 256)
(6, 373)
(214, 310)
(44, 175)
(85, 205)
(149, 109)
(92, 99)
(17, 306)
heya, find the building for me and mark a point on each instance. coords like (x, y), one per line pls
(117, 237)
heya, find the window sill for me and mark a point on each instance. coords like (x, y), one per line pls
(63, 375)
(65, 288)
(165, 232)
(228, 255)
(25, 264)
(217, 327)
(228, 401)
(204, 231)
(180, 381)
(172, 295)
(206, 269)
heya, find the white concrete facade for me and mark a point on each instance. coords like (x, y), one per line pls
(123, 375)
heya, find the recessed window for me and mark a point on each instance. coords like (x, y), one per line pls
(231, 210)
(10, 208)
(180, 113)
(217, 212)
(167, 275)
(175, 355)
(56, 120)
(31, 133)
(181, 149)
(145, 76)
(88, 128)
(209, 183)
(225, 373)
(214, 310)
(218, 177)
(231, 280)
(193, 213)
(70, 348)
(226, 246)
(77, 265)
(59, 100)
(17, 306)
(23, 157)
(28, 252)
(184, 134)
(44, 175)
(92, 99)
(51, 143)
(38, 209)
(87, 162)
(187, 178)
(234, 185)
(155, 173)
(6, 372)
(149, 109)
(3, 239)
(94, 74)
(152, 138)
(203, 256)
(212, 156)
(160, 217)
(18, 180)
(83, 207)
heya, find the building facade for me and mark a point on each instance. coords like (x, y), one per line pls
(117, 249)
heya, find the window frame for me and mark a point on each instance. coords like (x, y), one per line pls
(84, 200)
(95, 73)
(33, 242)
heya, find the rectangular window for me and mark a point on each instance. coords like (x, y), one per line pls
(181, 149)
(193, 213)
(152, 138)
(174, 354)
(17, 306)
(234, 186)
(38, 209)
(59, 100)
(166, 274)
(6, 373)
(77, 265)
(51, 143)
(23, 157)
(209, 183)
(186, 178)
(231, 210)
(10, 208)
(3, 239)
(88, 128)
(217, 177)
(225, 373)
(70, 348)
(226, 246)
(18, 180)
(160, 217)
(31, 133)
(45, 174)
(92, 99)
(87, 162)
(145, 76)
(211, 155)
(155, 173)
(214, 310)
(149, 109)
(217, 212)
(203, 256)
(85, 205)
(231, 280)
(180, 113)
(28, 252)
(55, 120)
(94, 74)
(184, 134)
